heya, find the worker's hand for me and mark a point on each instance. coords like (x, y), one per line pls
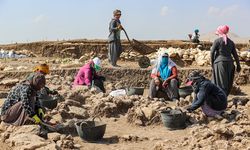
(54, 92)
(40, 113)
(120, 27)
(238, 69)
(165, 83)
(157, 81)
(36, 119)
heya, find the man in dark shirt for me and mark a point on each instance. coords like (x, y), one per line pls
(209, 97)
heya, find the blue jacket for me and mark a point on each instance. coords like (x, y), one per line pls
(214, 96)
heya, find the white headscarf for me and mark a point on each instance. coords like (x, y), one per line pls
(171, 64)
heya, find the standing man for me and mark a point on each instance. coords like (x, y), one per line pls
(115, 47)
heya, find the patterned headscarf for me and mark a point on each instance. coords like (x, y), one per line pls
(37, 80)
(222, 32)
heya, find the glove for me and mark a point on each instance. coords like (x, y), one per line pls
(238, 68)
(37, 119)
(40, 113)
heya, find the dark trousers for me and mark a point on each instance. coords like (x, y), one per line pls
(99, 83)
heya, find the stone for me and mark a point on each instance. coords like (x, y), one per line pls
(51, 146)
(27, 141)
(9, 82)
(72, 102)
(57, 118)
(78, 111)
(54, 136)
(31, 129)
(148, 112)
(78, 146)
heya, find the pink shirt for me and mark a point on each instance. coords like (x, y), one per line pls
(84, 75)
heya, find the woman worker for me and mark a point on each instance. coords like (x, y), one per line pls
(222, 62)
(164, 78)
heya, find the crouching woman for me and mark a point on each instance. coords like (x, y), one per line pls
(22, 103)
(87, 75)
(211, 98)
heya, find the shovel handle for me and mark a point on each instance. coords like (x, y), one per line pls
(127, 36)
(42, 123)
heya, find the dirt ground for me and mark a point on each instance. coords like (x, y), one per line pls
(119, 127)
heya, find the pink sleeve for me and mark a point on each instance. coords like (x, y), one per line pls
(88, 76)
(79, 78)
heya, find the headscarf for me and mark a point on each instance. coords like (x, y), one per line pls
(196, 30)
(194, 78)
(44, 68)
(97, 63)
(164, 67)
(37, 80)
(222, 32)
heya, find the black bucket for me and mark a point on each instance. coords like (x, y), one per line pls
(91, 130)
(49, 101)
(185, 91)
(173, 119)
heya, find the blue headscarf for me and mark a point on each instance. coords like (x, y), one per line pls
(164, 70)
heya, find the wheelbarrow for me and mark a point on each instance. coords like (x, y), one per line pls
(141, 48)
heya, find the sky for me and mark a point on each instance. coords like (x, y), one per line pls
(38, 20)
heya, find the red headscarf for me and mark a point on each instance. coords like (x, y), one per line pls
(222, 32)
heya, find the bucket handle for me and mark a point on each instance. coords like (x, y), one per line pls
(82, 124)
(168, 108)
(183, 113)
(96, 117)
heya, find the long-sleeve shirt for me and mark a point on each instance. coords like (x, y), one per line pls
(213, 95)
(114, 31)
(85, 75)
(222, 52)
(25, 94)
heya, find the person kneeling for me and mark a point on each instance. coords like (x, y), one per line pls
(164, 78)
(87, 75)
(208, 96)
(22, 102)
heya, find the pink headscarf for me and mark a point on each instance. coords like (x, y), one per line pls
(222, 32)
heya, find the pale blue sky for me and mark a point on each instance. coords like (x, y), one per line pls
(36, 20)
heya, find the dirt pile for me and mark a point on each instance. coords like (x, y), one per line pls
(229, 131)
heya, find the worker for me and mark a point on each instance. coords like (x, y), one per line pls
(87, 75)
(211, 98)
(195, 36)
(22, 102)
(43, 69)
(165, 78)
(114, 47)
(221, 60)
